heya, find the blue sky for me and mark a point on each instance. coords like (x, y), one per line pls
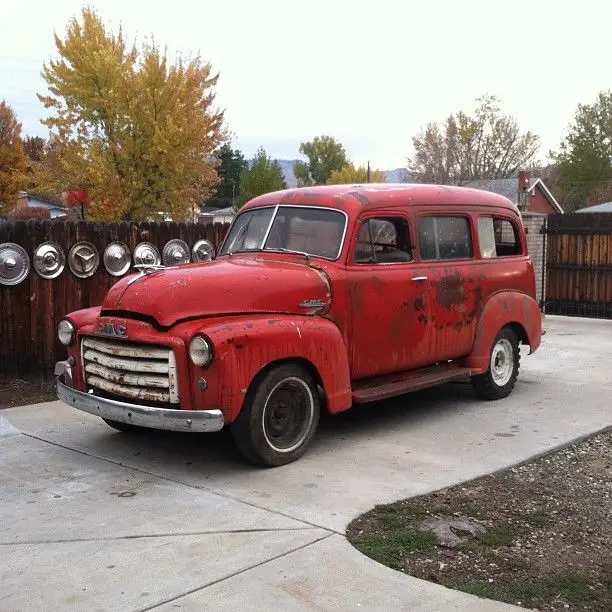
(368, 73)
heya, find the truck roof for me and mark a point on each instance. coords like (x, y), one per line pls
(381, 195)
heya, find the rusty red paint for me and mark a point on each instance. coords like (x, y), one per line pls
(378, 321)
(450, 291)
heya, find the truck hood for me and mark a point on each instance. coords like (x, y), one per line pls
(230, 285)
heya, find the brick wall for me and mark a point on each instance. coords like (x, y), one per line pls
(536, 247)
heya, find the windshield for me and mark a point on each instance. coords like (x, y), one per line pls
(312, 231)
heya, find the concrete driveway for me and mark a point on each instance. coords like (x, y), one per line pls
(93, 519)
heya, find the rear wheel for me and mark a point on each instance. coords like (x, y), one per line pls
(125, 427)
(279, 417)
(499, 380)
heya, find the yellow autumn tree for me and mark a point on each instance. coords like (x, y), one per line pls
(350, 174)
(13, 160)
(133, 129)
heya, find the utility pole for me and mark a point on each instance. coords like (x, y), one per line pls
(368, 171)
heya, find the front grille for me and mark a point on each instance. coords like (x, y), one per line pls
(135, 371)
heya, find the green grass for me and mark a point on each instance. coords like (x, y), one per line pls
(570, 587)
(538, 518)
(575, 587)
(517, 564)
(469, 509)
(496, 537)
(480, 589)
(392, 548)
(527, 591)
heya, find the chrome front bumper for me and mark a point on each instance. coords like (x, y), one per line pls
(142, 416)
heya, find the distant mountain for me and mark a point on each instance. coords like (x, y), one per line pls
(287, 168)
(399, 175)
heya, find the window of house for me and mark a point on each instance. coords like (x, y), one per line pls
(498, 238)
(445, 238)
(383, 241)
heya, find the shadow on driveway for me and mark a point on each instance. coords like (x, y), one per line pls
(360, 423)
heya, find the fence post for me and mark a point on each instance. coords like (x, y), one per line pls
(544, 232)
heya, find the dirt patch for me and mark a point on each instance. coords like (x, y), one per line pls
(538, 535)
(19, 392)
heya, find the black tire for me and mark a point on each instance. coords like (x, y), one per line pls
(504, 361)
(125, 427)
(279, 417)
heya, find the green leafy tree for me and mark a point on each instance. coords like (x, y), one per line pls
(231, 163)
(134, 130)
(350, 174)
(484, 145)
(13, 160)
(262, 175)
(584, 161)
(325, 155)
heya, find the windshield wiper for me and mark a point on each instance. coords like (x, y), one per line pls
(306, 255)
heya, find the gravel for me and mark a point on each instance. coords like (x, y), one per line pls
(538, 535)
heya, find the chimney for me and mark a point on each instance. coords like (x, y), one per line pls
(523, 184)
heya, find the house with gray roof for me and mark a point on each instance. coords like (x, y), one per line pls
(533, 194)
(25, 201)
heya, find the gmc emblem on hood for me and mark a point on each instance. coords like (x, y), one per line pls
(113, 330)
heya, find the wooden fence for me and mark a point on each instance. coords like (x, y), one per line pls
(579, 265)
(31, 310)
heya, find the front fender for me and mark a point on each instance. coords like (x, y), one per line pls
(244, 345)
(504, 308)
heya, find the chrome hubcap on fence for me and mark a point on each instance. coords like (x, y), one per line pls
(502, 362)
(288, 414)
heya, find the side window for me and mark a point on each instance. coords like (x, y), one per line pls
(383, 241)
(445, 238)
(427, 238)
(498, 238)
(486, 237)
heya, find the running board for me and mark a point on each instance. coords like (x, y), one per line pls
(384, 387)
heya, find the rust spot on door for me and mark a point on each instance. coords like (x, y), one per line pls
(356, 298)
(450, 291)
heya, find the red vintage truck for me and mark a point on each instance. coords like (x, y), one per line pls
(319, 298)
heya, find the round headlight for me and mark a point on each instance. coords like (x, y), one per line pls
(200, 351)
(65, 332)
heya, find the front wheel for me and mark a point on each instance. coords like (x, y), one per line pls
(279, 417)
(499, 380)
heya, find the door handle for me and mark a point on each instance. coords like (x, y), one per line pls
(419, 278)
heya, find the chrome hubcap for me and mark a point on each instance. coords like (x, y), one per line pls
(288, 414)
(502, 362)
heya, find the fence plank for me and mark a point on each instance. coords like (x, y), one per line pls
(579, 265)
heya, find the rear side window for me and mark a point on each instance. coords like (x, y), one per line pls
(498, 238)
(445, 238)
